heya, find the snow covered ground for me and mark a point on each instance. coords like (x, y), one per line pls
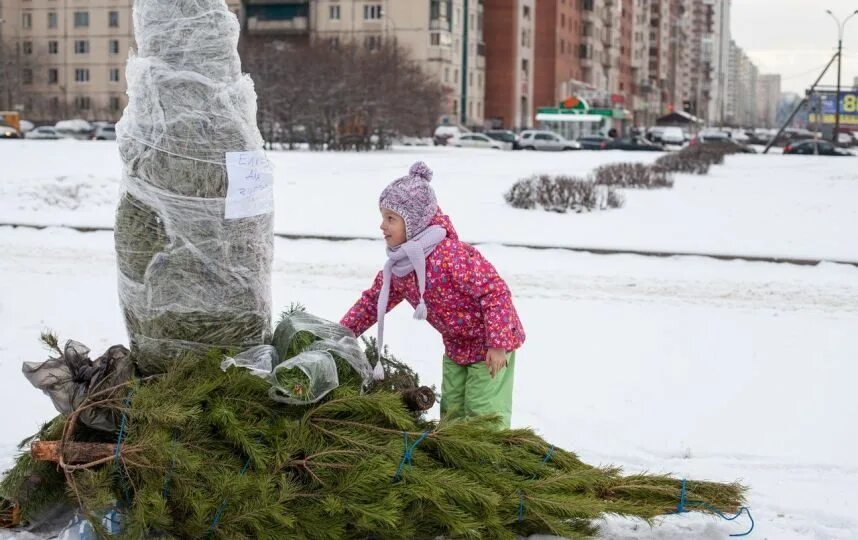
(772, 205)
(702, 368)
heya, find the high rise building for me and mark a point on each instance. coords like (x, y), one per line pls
(715, 54)
(768, 94)
(509, 30)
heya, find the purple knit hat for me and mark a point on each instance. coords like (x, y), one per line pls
(412, 198)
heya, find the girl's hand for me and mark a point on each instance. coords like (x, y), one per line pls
(495, 360)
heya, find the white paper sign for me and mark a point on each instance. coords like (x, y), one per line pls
(250, 191)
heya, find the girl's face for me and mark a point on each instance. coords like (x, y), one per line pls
(393, 227)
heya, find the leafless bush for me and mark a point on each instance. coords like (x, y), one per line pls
(561, 194)
(632, 175)
(695, 159)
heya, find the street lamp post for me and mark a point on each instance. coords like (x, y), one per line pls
(840, 26)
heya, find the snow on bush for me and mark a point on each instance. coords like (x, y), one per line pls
(695, 159)
(561, 194)
(632, 175)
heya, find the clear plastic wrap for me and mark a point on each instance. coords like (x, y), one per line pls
(189, 279)
(332, 337)
(316, 373)
(301, 366)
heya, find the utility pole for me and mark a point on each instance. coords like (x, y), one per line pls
(840, 27)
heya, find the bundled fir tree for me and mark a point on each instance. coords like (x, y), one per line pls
(202, 451)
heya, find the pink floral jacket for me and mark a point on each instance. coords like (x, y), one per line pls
(466, 301)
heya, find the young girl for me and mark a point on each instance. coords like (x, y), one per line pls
(452, 286)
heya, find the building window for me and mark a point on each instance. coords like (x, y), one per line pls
(81, 19)
(446, 74)
(114, 74)
(52, 19)
(471, 79)
(115, 104)
(82, 103)
(26, 20)
(588, 5)
(526, 12)
(81, 75)
(434, 39)
(55, 103)
(53, 76)
(456, 75)
(27, 47)
(372, 42)
(472, 21)
(81, 46)
(334, 12)
(113, 19)
(562, 46)
(27, 76)
(113, 46)
(479, 80)
(53, 47)
(562, 20)
(371, 12)
(525, 65)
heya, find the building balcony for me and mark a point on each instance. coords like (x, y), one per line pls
(440, 54)
(278, 17)
(440, 25)
(298, 25)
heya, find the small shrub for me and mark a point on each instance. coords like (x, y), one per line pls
(695, 159)
(632, 175)
(681, 163)
(561, 194)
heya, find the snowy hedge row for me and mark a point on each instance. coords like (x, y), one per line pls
(562, 193)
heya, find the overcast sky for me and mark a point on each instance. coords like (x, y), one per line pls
(796, 38)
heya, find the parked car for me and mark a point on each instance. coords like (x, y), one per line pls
(814, 147)
(546, 140)
(505, 135)
(672, 135)
(593, 142)
(75, 129)
(42, 132)
(709, 137)
(447, 132)
(477, 140)
(632, 143)
(8, 132)
(104, 133)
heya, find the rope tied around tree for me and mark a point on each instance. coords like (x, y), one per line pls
(683, 503)
(223, 504)
(408, 453)
(521, 493)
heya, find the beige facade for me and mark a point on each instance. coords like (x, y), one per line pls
(768, 95)
(71, 56)
(434, 32)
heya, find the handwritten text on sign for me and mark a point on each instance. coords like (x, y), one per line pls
(250, 191)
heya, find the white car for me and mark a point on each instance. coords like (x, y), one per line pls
(478, 140)
(446, 132)
(672, 135)
(42, 132)
(546, 140)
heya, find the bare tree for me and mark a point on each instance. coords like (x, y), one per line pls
(340, 96)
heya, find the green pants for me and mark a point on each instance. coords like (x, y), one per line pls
(471, 391)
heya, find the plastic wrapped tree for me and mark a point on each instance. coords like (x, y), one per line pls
(189, 279)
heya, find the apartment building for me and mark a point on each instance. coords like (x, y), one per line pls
(444, 36)
(509, 28)
(70, 56)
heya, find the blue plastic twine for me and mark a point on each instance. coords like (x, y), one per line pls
(681, 507)
(520, 506)
(408, 453)
(222, 506)
(548, 454)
